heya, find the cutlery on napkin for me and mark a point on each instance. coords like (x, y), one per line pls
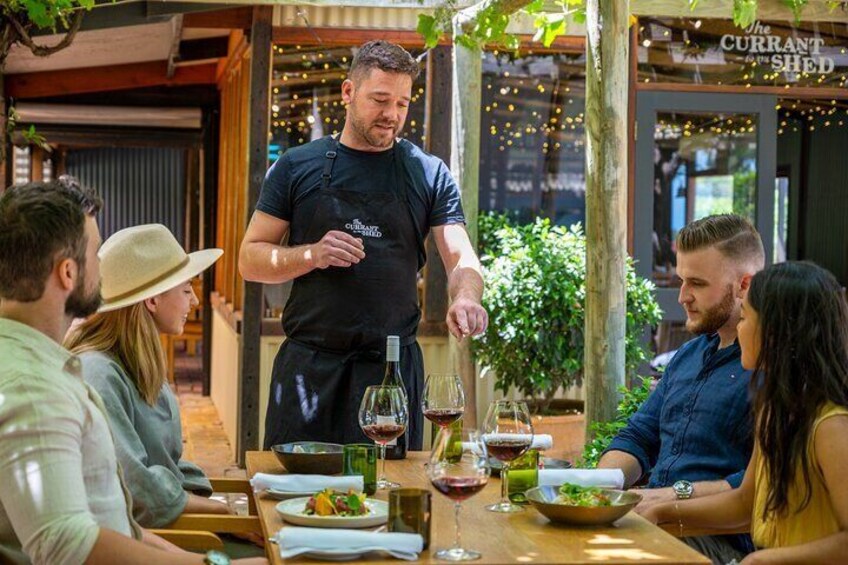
(607, 478)
(305, 483)
(295, 540)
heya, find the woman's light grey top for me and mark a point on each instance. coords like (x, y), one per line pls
(149, 443)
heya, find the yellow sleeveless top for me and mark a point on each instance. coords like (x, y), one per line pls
(815, 521)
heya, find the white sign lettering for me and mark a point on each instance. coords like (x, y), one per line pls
(784, 54)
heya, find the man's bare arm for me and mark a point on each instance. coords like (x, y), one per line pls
(466, 317)
(263, 258)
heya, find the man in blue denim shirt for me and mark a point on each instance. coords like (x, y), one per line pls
(694, 433)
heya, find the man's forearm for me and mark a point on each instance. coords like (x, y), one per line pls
(628, 464)
(112, 547)
(466, 281)
(271, 264)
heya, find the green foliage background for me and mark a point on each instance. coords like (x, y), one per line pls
(535, 292)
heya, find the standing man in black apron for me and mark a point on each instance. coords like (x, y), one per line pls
(356, 210)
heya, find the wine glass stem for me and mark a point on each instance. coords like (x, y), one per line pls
(457, 544)
(383, 464)
(505, 483)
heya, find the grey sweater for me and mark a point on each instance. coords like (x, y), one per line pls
(148, 441)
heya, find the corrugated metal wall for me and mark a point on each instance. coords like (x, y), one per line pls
(138, 185)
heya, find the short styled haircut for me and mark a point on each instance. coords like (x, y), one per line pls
(40, 223)
(388, 57)
(732, 235)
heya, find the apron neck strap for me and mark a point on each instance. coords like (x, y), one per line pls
(330, 159)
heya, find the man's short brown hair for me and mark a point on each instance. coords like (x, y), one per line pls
(387, 57)
(40, 223)
(734, 236)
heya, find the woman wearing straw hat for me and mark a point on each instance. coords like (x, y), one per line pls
(146, 278)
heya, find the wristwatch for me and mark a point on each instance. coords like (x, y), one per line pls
(683, 489)
(215, 557)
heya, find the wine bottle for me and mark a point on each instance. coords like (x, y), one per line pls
(396, 449)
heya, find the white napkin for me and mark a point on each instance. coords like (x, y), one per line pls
(305, 483)
(607, 478)
(295, 541)
(537, 441)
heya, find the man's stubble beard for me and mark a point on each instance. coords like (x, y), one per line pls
(716, 317)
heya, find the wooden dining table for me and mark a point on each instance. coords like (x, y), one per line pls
(525, 537)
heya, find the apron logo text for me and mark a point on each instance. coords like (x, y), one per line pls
(368, 231)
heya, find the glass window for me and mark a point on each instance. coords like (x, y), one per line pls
(716, 52)
(703, 164)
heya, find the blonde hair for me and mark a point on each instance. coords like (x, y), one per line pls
(131, 337)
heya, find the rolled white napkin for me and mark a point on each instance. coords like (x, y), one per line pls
(607, 478)
(295, 541)
(305, 483)
(537, 441)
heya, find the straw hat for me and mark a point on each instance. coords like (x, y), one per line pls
(140, 262)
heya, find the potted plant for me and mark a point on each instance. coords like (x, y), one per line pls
(535, 291)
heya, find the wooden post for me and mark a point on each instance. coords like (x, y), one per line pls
(437, 116)
(606, 205)
(252, 307)
(209, 234)
(465, 166)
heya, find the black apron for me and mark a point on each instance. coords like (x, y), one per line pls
(336, 319)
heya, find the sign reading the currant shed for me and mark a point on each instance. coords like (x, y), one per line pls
(782, 53)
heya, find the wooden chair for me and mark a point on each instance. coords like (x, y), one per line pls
(198, 532)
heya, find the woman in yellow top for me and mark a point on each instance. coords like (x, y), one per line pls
(794, 498)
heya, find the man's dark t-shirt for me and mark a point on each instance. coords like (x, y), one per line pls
(434, 199)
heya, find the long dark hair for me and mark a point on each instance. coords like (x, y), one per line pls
(803, 364)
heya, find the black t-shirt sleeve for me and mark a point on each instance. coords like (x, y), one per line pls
(447, 200)
(275, 198)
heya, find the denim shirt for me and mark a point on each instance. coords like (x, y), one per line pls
(697, 424)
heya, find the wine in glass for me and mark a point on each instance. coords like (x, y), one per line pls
(458, 478)
(383, 416)
(443, 400)
(507, 434)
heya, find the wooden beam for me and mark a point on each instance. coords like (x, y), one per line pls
(252, 309)
(90, 136)
(103, 79)
(231, 18)
(814, 11)
(606, 206)
(410, 39)
(791, 92)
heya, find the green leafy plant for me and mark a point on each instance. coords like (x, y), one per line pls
(551, 18)
(604, 432)
(535, 293)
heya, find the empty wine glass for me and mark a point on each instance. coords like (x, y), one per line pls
(507, 433)
(383, 416)
(443, 402)
(458, 478)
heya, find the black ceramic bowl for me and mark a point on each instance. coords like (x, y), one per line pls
(310, 457)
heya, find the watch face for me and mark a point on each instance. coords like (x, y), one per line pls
(217, 558)
(683, 489)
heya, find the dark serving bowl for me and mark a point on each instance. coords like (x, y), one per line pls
(542, 499)
(310, 457)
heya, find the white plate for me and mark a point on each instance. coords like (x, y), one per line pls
(328, 555)
(292, 512)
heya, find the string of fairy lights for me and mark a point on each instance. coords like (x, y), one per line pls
(523, 109)
(520, 110)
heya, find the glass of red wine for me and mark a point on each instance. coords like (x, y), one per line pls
(458, 478)
(444, 399)
(383, 416)
(507, 434)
